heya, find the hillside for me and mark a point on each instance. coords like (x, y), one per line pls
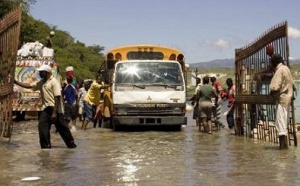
(218, 63)
(226, 63)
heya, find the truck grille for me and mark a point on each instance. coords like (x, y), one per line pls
(149, 111)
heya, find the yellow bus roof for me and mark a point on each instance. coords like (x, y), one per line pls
(143, 47)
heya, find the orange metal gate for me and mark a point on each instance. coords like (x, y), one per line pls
(9, 40)
(255, 112)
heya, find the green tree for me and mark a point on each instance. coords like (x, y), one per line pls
(86, 60)
(7, 5)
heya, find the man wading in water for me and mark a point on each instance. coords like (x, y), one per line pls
(281, 88)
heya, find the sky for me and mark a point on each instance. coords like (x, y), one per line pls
(203, 30)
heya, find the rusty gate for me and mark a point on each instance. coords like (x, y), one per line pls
(9, 40)
(255, 111)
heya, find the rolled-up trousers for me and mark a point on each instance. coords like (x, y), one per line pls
(44, 127)
(282, 118)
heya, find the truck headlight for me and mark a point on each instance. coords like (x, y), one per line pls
(177, 110)
(121, 111)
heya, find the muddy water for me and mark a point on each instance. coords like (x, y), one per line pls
(146, 158)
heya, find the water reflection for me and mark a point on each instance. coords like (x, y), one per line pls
(127, 163)
(53, 159)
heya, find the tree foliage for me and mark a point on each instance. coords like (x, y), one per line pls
(7, 5)
(86, 60)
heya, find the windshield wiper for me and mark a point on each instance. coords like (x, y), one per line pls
(130, 84)
(139, 86)
(166, 85)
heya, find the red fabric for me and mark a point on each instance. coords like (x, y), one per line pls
(217, 86)
(219, 89)
(70, 73)
(230, 96)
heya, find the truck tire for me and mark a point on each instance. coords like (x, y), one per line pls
(118, 127)
(106, 123)
(175, 127)
(20, 115)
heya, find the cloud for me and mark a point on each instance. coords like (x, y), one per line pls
(220, 44)
(294, 32)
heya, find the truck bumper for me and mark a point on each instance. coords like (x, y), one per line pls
(149, 120)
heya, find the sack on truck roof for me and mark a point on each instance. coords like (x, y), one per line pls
(35, 50)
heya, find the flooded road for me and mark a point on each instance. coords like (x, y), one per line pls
(146, 158)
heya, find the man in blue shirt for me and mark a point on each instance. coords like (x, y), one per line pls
(70, 100)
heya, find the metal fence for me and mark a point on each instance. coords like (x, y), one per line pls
(255, 111)
(9, 40)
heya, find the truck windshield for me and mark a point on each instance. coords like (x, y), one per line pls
(148, 73)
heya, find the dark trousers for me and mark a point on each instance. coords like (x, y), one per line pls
(44, 127)
(230, 118)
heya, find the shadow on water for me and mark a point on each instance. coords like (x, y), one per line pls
(162, 128)
(271, 148)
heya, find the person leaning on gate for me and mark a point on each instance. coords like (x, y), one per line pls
(231, 103)
(52, 108)
(282, 89)
(92, 100)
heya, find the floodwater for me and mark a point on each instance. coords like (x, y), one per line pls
(146, 158)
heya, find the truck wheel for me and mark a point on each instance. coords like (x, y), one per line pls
(106, 123)
(117, 127)
(20, 115)
(176, 127)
